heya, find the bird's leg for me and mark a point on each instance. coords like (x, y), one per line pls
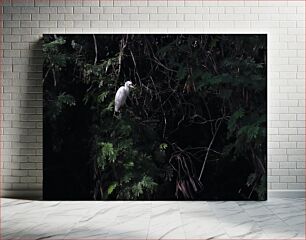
(117, 115)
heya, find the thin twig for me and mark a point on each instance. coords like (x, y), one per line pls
(96, 49)
(208, 149)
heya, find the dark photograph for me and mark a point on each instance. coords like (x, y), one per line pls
(155, 117)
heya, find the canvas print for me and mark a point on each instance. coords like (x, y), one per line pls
(155, 117)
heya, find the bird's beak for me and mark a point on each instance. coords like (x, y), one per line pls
(131, 86)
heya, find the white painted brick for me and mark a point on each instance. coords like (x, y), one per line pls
(300, 116)
(278, 158)
(19, 173)
(64, 10)
(300, 179)
(288, 24)
(129, 10)
(273, 165)
(286, 9)
(28, 179)
(186, 10)
(242, 10)
(106, 3)
(91, 16)
(140, 17)
(147, 9)
(176, 17)
(98, 24)
(29, 24)
(296, 186)
(9, 9)
(300, 165)
(287, 165)
(288, 179)
(296, 158)
(288, 131)
(297, 96)
(279, 124)
(106, 17)
(166, 10)
(7, 16)
(167, 24)
(300, 144)
(195, 17)
(221, 24)
(149, 24)
(73, 17)
(81, 10)
(201, 25)
(138, 3)
(130, 24)
(287, 145)
(96, 10)
(112, 10)
(41, 3)
(57, 17)
(73, 3)
(260, 10)
(57, 3)
(118, 17)
(91, 3)
(47, 23)
(264, 24)
(185, 24)
(297, 172)
(278, 151)
(21, 16)
(189, 3)
(229, 17)
(289, 103)
(294, 17)
(122, 3)
(280, 172)
(40, 17)
(296, 124)
(29, 10)
(277, 186)
(49, 10)
(273, 179)
(159, 17)
(157, 3)
(229, 10)
(113, 24)
(216, 9)
(297, 138)
(81, 24)
(11, 179)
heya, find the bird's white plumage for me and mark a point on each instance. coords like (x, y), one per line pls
(121, 95)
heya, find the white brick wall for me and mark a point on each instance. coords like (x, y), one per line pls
(24, 22)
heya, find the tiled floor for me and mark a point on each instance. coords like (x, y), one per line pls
(273, 219)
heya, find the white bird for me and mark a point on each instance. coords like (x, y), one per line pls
(122, 94)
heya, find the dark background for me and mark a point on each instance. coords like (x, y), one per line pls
(225, 72)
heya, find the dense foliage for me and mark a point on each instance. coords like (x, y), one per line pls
(194, 127)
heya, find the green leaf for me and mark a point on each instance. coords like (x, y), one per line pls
(102, 97)
(107, 154)
(232, 123)
(163, 146)
(111, 187)
(54, 45)
(65, 99)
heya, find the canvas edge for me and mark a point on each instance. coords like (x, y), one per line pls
(38, 194)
